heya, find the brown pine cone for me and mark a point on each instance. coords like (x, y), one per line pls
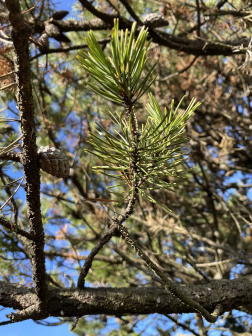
(53, 162)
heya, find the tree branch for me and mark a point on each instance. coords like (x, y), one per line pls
(197, 47)
(231, 294)
(131, 11)
(9, 226)
(20, 38)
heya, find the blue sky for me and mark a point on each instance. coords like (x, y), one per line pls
(27, 328)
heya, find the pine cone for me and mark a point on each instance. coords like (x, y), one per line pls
(53, 162)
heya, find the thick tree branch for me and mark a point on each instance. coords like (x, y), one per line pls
(20, 36)
(199, 47)
(104, 21)
(231, 294)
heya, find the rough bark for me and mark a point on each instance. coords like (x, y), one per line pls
(129, 301)
(20, 37)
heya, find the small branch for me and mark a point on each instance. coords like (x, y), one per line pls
(104, 240)
(59, 50)
(194, 265)
(88, 263)
(7, 86)
(113, 6)
(184, 326)
(82, 25)
(12, 195)
(168, 285)
(11, 146)
(6, 75)
(229, 12)
(131, 11)
(5, 322)
(34, 312)
(198, 17)
(7, 189)
(179, 43)
(11, 156)
(181, 71)
(136, 265)
(8, 225)
(107, 18)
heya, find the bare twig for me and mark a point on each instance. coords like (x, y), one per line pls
(6, 75)
(59, 50)
(181, 71)
(7, 86)
(184, 326)
(15, 191)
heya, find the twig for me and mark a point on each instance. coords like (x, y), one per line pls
(74, 324)
(8, 225)
(214, 263)
(181, 71)
(59, 50)
(11, 155)
(6, 322)
(104, 239)
(7, 75)
(15, 191)
(7, 86)
(30, 9)
(168, 285)
(11, 183)
(184, 326)
(8, 119)
(12, 200)
(192, 263)
(136, 265)
(11, 146)
(221, 3)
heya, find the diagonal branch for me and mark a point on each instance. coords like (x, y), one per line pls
(107, 18)
(131, 11)
(88, 263)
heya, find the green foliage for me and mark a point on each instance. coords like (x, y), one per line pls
(159, 146)
(118, 77)
(153, 152)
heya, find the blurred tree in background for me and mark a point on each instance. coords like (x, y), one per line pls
(203, 50)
